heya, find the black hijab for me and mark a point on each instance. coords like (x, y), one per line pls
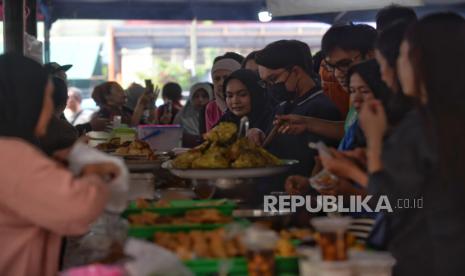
(261, 111)
(22, 89)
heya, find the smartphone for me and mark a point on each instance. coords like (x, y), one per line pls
(149, 85)
(148, 82)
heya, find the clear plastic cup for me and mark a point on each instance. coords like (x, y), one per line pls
(372, 263)
(332, 237)
(260, 244)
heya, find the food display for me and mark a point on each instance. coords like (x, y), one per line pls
(110, 146)
(222, 149)
(201, 216)
(212, 244)
(131, 150)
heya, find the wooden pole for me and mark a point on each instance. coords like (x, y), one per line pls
(31, 22)
(13, 26)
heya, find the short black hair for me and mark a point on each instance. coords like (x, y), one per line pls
(285, 54)
(389, 40)
(393, 13)
(60, 92)
(237, 57)
(360, 37)
(250, 56)
(317, 59)
(172, 91)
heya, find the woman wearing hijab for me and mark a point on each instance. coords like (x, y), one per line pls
(245, 97)
(40, 201)
(189, 116)
(222, 67)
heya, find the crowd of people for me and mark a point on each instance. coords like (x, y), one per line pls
(390, 102)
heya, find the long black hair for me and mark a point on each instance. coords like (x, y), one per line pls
(388, 45)
(369, 71)
(22, 89)
(261, 108)
(436, 51)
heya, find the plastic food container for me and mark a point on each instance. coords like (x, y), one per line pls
(161, 138)
(334, 269)
(332, 239)
(372, 263)
(323, 180)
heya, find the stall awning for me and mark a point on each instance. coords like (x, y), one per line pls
(82, 53)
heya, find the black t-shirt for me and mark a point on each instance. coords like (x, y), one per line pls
(313, 104)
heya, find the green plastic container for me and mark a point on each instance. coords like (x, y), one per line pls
(124, 133)
(147, 232)
(285, 266)
(179, 207)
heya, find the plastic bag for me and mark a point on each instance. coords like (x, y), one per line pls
(151, 259)
(108, 232)
(82, 155)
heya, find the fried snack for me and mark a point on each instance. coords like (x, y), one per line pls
(211, 160)
(184, 161)
(271, 159)
(145, 218)
(242, 144)
(211, 244)
(249, 159)
(206, 216)
(222, 150)
(284, 248)
(222, 133)
(142, 203)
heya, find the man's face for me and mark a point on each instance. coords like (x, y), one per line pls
(339, 61)
(218, 79)
(274, 76)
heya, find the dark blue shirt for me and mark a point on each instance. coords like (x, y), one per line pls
(313, 104)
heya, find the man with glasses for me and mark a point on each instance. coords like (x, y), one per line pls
(343, 46)
(284, 67)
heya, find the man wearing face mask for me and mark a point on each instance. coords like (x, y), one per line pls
(284, 69)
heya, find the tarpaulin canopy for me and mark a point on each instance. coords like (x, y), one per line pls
(328, 11)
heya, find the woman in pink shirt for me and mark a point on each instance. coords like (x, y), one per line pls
(40, 201)
(222, 68)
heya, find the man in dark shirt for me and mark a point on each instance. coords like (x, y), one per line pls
(284, 69)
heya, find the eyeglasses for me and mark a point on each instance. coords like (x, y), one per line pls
(342, 65)
(273, 79)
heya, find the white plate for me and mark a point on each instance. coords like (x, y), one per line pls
(229, 173)
(142, 165)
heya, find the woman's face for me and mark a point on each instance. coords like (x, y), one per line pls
(200, 99)
(47, 111)
(388, 74)
(405, 69)
(218, 79)
(359, 91)
(117, 97)
(238, 98)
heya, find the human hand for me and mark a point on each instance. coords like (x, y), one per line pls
(337, 163)
(256, 135)
(106, 171)
(343, 187)
(291, 124)
(297, 185)
(359, 155)
(373, 120)
(99, 124)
